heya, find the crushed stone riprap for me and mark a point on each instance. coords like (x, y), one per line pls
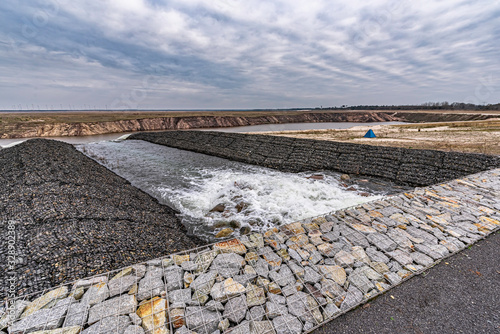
(287, 280)
(400, 165)
(70, 217)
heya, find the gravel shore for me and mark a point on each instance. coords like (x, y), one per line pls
(74, 218)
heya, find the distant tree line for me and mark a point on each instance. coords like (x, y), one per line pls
(424, 106)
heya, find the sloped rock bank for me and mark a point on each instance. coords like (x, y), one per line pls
(404, 166)
(63, 216)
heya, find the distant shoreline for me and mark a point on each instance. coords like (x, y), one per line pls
(155, 110)
(80, 123)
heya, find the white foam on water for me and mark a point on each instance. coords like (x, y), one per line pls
(194, 184)
(269, 197)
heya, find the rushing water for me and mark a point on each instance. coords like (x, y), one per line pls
(250, 197)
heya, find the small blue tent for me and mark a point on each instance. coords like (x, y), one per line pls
(370, 134)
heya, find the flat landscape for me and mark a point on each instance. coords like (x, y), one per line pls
(468, 136)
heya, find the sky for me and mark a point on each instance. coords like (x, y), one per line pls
(241, 54)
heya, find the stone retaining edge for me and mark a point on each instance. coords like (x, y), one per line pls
(400, 165)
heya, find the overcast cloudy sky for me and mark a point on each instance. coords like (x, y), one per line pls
(193, 54)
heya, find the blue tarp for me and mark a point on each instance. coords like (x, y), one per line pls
(370, 134)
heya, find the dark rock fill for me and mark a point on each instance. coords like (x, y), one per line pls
(65, 217)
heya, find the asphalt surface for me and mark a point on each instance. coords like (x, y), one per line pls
(72, 217)
(459, 295)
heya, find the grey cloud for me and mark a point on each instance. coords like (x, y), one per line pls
(269, 54)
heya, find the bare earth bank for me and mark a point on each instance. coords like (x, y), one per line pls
(26, 125)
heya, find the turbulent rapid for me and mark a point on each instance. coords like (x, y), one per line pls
(220, 197)
(256, 198)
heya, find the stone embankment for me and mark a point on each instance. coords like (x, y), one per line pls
(287, 280)
(404, 166)
(64, 216)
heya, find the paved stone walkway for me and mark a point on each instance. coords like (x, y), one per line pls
(289, 280)
(458, 295)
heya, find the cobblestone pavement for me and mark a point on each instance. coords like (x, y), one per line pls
(287, 280)
(459, 295)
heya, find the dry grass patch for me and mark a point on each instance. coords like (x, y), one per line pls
(472, 137)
